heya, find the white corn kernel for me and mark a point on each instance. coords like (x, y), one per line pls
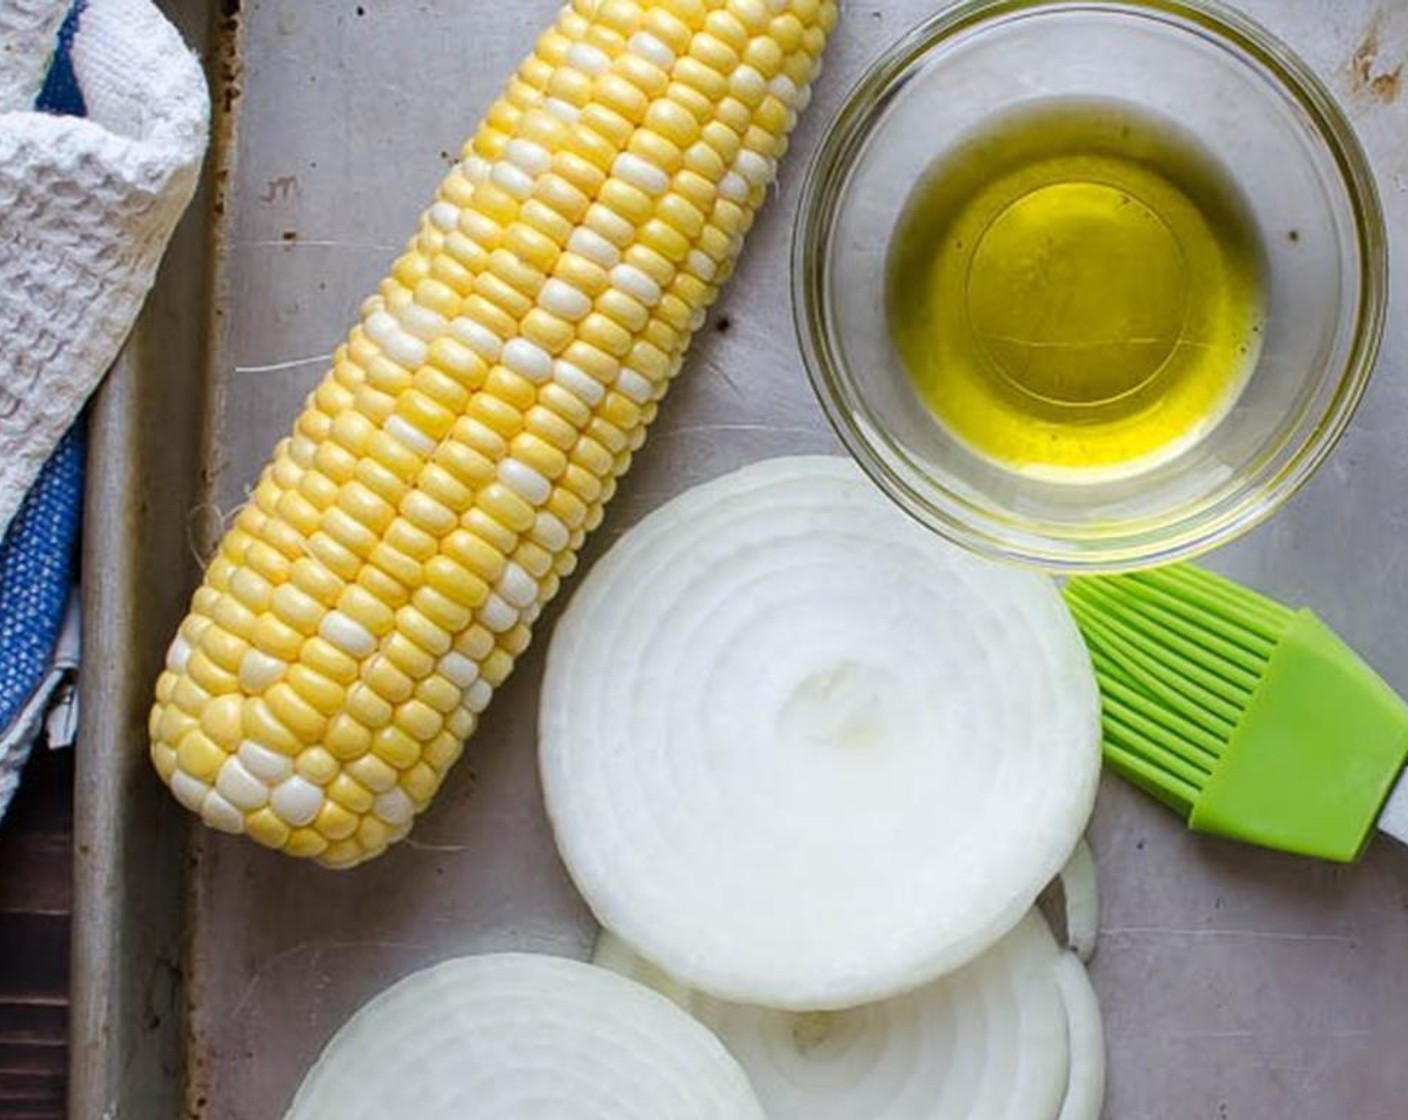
(513, 179)
(528, 359)
(701, 265)
(588, 59)
(402, 431)
(259, 671)
(268, 766)
(347, 634)
(189, 791)
(423, 323)
(445, 216)
(241, 788)
(296, 801)
(524, 481)
(220, 815)
(565, 301)
(458, 669)
(178, 655)
(652, 49)
(784, 89)
(475, 169)
(401, 347)
(748, 85)
(562, 110)
(497, 615)
(734, 187)
(516, 587)
(532, 158)
(634, 386)
(594, 248)
(581, 385)
(549, 531)
(636, 284)
(394, 806)
(630, 168)
(478, 338)
(758, 170)
(477, 697)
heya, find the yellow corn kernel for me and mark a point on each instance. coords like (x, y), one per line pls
(395, 748)
(266, 827)
(440, 694)
(490, 529)
(317, 765)
(296, 713)
(199, 757)
(426, 633)
(350, 794)
(335, 822)
(420, 782)
(346, 739)
(304, 843)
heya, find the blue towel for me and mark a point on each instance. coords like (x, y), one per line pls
(38, 556)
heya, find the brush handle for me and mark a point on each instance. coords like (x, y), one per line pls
(1394, 819)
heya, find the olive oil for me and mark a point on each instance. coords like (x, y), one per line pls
(1076, 291)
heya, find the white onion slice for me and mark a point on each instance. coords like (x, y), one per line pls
(1081, 895)
(804, 753)
(1085, 1092)
(994, 1041)
(515, 1037)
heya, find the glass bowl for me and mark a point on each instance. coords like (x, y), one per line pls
(1283, 144)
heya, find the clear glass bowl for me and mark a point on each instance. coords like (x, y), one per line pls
(1284, 144)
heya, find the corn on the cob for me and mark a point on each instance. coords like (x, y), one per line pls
(385, 574)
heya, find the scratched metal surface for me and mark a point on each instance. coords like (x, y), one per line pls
(1236, 984)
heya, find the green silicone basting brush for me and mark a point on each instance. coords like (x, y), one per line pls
(1251, 720)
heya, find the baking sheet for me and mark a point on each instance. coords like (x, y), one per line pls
(1236, 984)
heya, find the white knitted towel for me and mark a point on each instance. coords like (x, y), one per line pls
(86, 208)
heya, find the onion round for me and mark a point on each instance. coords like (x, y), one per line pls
(1081, 894)
(1015, 1035)
(805, 754)
(510, 1036)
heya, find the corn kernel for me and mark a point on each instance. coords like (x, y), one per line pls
(295, 713)
(267, 828)
(445, 749)
(372, 834)
(314, 689)
(304, 843)
(334, 822)
(199, 757)
(427, 634)
(368, 707)
(395, 747)
(346, 739)
(490, 529)
(439, 694)
(350, 794)
(317, 765)
(420, 783)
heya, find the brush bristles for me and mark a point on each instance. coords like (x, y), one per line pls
(1178, 653)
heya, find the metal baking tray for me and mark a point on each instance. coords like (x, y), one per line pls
(1236, 984)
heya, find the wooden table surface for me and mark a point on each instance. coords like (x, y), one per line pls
(36, 848)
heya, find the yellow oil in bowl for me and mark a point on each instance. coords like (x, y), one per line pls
(1076, 292)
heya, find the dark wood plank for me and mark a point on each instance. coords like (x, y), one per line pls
(36, 897)
(33, 1057)
(35, 1024)
(33, 959)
